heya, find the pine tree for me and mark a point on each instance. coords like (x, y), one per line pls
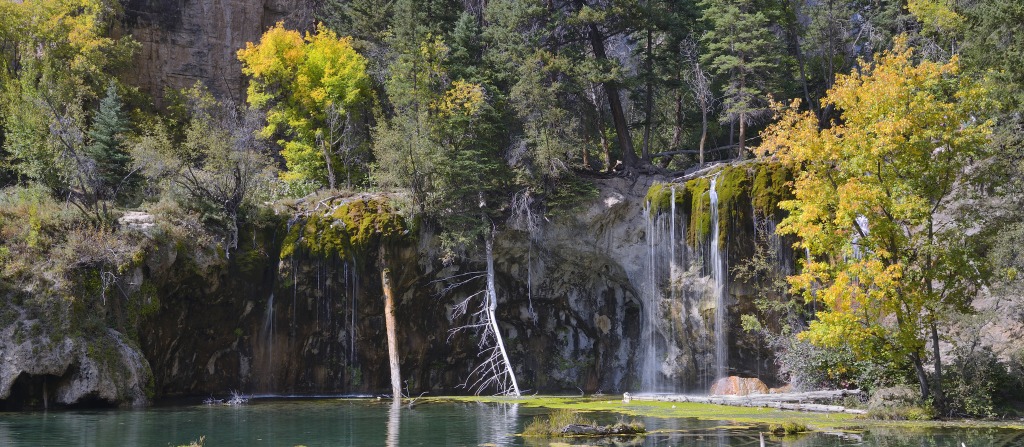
(744, 53)
(106, 150)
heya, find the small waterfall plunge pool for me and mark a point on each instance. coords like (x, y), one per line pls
(370, 422)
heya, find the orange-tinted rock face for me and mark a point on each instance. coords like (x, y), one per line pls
(184, 41)
(787, 388)
(739, 386)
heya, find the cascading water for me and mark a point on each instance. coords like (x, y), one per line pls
(649, 368)
(267, 337)
(673, 267)
(352, 290)
(663, 304)
(718, 274)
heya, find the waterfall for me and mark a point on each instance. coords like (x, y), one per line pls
(352, 290)
(268, 342)
(673, 268)
(718, 274)
(649, 368)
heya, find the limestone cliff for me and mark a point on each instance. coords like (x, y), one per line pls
(576, 308)
(184, 41)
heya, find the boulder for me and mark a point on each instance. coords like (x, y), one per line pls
(738, 386)
(42, 370)
(787, 388)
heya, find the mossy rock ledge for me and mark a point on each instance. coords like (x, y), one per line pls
(603, 430)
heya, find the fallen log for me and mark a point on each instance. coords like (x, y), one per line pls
(784, 401)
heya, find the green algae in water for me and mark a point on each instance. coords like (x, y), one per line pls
(435, 422)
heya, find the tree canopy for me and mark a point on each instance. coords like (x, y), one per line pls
(874, 204)
(314, 88)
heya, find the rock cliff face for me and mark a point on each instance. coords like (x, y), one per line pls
(573, 308)
(591, 301)
(184, 41)
(42, 367)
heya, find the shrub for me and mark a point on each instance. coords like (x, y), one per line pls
(900, 403)
(811, 367)
(552, 424)
(974, 382)
(787, 428)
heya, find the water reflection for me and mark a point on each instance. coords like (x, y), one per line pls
(394, 422)
(350, 422)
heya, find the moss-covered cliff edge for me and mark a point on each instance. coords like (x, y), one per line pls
(298, 306)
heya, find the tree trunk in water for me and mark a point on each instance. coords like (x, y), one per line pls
(492, 306)
(612, 91)
(394, 423)
(389, 326)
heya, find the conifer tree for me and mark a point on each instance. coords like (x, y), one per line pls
(743, 53)
(107, 151)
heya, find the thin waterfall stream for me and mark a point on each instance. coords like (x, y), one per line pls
(718, 274)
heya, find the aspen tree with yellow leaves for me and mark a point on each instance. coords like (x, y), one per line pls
(875, 207)
(314, 88)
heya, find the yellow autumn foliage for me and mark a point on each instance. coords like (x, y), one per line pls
(869, 192)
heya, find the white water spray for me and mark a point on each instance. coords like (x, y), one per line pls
(649, 368)
(718, 274)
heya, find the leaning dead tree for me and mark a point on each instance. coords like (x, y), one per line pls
(495, 369)
(390, 328)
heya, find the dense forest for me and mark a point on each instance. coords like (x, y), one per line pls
(897, 123)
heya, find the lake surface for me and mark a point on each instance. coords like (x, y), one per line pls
(367, 422)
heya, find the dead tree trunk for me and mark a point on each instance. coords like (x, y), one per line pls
(492, 307)
(389, 323)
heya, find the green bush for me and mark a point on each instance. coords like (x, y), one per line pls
(787, 428)
(899, 403)
(552, 424)
(975, 382)
(811, 367)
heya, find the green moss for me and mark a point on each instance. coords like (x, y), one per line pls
(700, 210)
(351, 230)
(710, 412)
(733, 189)
(551, 425)
(741, 189)
(787, 428)
(355, 375)
(659, 195)
(772, 184)
(148, 298)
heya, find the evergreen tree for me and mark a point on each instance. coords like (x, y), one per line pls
(107, 149)
(744, 54)
(366, 21)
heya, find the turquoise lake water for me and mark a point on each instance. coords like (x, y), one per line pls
(367, 422)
